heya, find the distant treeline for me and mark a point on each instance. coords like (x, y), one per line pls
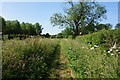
(15, 27)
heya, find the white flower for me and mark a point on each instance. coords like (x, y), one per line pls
(92, 48)
(116, 50)
(114, 46)
(111, 49)
(83, 47)
(80, 32)
(108, 51)
(70, 48)
(112, 54)
(95, 45)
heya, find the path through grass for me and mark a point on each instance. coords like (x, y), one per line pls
(60, 67)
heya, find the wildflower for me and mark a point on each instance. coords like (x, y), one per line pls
(70, 48)
(80, 33)
(116, 50)
(112, 54)
(83, 47)
(111, 49)
(108, 51)
(92, 48)
(114, 46)
(95, 45)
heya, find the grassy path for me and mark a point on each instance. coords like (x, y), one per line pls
(59, 67)
(64, 70)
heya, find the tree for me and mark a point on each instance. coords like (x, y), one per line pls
(66, 32)
(103, 26)
(38, 28)
(15, 27)
(47, 35)
(29, 28)
(108, 26)
(79, 15)
(117, 26)
(90, 28)
(23, 28)
(3, 23)
(8, 29)
(59, 35)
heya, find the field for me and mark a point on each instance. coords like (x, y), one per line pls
(58, 58)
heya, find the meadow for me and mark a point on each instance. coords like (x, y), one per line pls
(30, 58)
(87, 56)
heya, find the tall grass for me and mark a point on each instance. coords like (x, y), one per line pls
(29, 58)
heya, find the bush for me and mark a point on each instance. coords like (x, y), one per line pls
(103, 38)
(70, 37)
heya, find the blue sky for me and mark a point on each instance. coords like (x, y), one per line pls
(41, 12)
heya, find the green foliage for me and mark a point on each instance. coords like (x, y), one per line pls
(59, 35)
(117, 26)
(38, 28)
(47, 35)
(87, 63)
(53, 36)
(91, 56)
(14, 27)
(70, 37)
(79, 15)
(103, 38)
(67, 32)
(3, 24)
(29, 58)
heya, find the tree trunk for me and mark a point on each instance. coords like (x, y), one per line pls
(76, 30)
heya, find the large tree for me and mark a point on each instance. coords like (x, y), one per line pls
(23, 28)
(78, 15)
(66, 32)
(29, 28)
(2, 25)
(38, 28)
(15, 27)
(8, 27)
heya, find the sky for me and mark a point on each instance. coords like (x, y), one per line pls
(41, 12)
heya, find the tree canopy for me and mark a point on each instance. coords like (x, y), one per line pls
(79, 15)
(14, 27)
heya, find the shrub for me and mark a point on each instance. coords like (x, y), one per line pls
(103, 38)
(70, 37)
